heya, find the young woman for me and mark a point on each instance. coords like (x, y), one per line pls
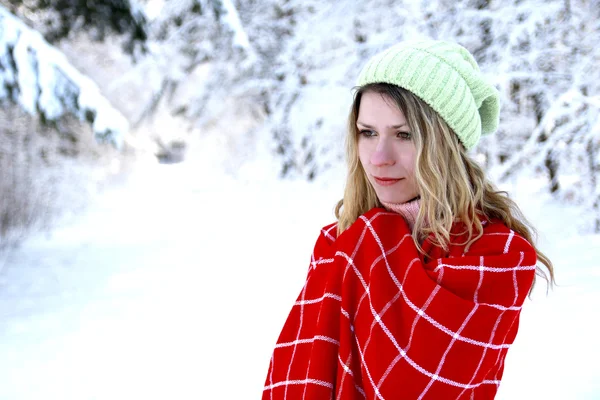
(415, 292)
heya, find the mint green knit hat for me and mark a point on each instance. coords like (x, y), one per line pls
(444, 75)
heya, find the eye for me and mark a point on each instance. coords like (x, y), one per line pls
(404, 135)
(367, 133)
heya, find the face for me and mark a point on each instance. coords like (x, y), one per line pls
(386, 149)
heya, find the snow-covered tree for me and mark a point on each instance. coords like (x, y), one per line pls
(37, 76)
(60, 19)
(49, 116)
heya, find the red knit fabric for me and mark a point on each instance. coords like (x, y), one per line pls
(377, 320)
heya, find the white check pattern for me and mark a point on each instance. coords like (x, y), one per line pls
(377, 320)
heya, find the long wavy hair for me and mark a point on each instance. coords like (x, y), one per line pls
(452, 186)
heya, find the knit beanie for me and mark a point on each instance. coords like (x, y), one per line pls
(445, 76)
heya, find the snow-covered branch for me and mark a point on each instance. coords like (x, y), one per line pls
(37, 76)
(231, 19)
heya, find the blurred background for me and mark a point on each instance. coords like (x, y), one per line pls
(165, 166)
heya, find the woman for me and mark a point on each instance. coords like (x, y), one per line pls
(416, 291)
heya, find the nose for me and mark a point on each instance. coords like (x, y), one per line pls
(383, 154)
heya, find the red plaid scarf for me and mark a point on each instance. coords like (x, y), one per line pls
(376, 319)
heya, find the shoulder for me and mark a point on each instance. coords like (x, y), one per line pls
(328, 233)
(497, 269)
(377, 221)
(497, 238)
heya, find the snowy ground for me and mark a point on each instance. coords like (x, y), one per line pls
(173, 286)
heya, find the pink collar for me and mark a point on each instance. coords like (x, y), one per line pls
(408, 210)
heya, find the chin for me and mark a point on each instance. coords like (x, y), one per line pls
(395, 199)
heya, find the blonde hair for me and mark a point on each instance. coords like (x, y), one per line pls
(446, 197)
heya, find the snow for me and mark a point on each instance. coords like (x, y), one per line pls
(171, 285)
(44, 81)
(153, 9)
(232, 20)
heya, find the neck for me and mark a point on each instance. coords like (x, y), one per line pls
(408, 210)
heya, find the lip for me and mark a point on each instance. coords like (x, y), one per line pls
(384, 181)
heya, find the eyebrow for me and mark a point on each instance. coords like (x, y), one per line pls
(390, 127)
